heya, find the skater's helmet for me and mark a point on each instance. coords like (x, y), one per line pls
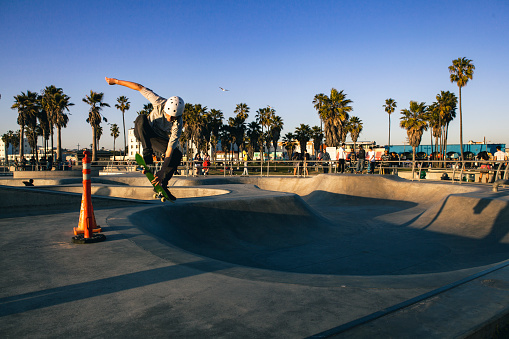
(174, 106)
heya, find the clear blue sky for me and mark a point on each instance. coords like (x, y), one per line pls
(277, 53)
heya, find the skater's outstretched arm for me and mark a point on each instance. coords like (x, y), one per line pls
(125, 83)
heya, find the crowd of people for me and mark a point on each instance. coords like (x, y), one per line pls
(43, 164)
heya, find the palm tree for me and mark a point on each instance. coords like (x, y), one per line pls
(50, 106)
(214, 121)
(390, 106)
(263, 117)
(123, 105)
(461, 71)
(194, 125)
(317, 136)
(26, 104)
(446, 107)
(414, 121)
(334, 112)
(95, 100)
(289, 144)
(355, 129)
(253, 133)
(242, 111)
(147, 108)
(434, 123)
(115, 133)
(302, 134)
(318, 102)
(20, 105)
(9, 138)
(60, 119)
(276, 126)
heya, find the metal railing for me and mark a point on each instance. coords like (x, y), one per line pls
(456, 170)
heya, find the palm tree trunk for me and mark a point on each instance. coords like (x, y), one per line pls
(389, 133)
(413, 161)
(21, 144)
(461, 127)
(94, 144)
(125, 146)
(59, 143)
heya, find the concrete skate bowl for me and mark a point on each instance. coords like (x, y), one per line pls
(138, 192)
(341, 225)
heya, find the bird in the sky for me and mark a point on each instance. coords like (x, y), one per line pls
(224, 89)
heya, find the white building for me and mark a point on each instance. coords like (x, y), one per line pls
(12, 153)
(133, 146)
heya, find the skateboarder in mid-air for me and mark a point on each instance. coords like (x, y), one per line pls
(158, 132)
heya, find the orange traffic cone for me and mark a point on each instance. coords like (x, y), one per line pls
(87, 224)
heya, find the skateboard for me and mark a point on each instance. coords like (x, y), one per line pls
(160, 192)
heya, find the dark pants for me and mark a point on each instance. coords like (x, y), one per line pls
(147, 137)
(341, 165)
(175, 158)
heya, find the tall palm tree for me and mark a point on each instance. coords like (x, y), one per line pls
(253, 133)
(60, 119)
(289, 144)
(123, 105)
(334, 112)
(414, 121)
(114, 133)
(242, 111)
(319, 101)
(20, 105)
(263, 117)
(461, 71)
(95, 100)
(317, 136)
(276, 126)
(354, 128)
(194, 125)
(9, 138)
(434, 123)
(50, 106)
(147, 108)
(446, 107)
(390, 107)
(214, 121)
(302, 134)
(26, 105)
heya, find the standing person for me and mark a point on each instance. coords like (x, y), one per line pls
(394, 163)
(206, 164)
(361, 157)
(306, 160)
(499, 156)
(372, 159)
(246, 159)
(198, 163)
(485, 167)
(296, 163)
(341, 157)
(326, 158)
(158, 132)
(385, 162)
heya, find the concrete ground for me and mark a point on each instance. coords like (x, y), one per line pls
(352, 256)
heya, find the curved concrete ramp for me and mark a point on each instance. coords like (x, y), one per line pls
(340, 225)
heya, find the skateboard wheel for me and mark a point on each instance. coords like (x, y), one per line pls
(163, 199)
(156, 195)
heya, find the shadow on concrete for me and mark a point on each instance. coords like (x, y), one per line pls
(60, 295)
